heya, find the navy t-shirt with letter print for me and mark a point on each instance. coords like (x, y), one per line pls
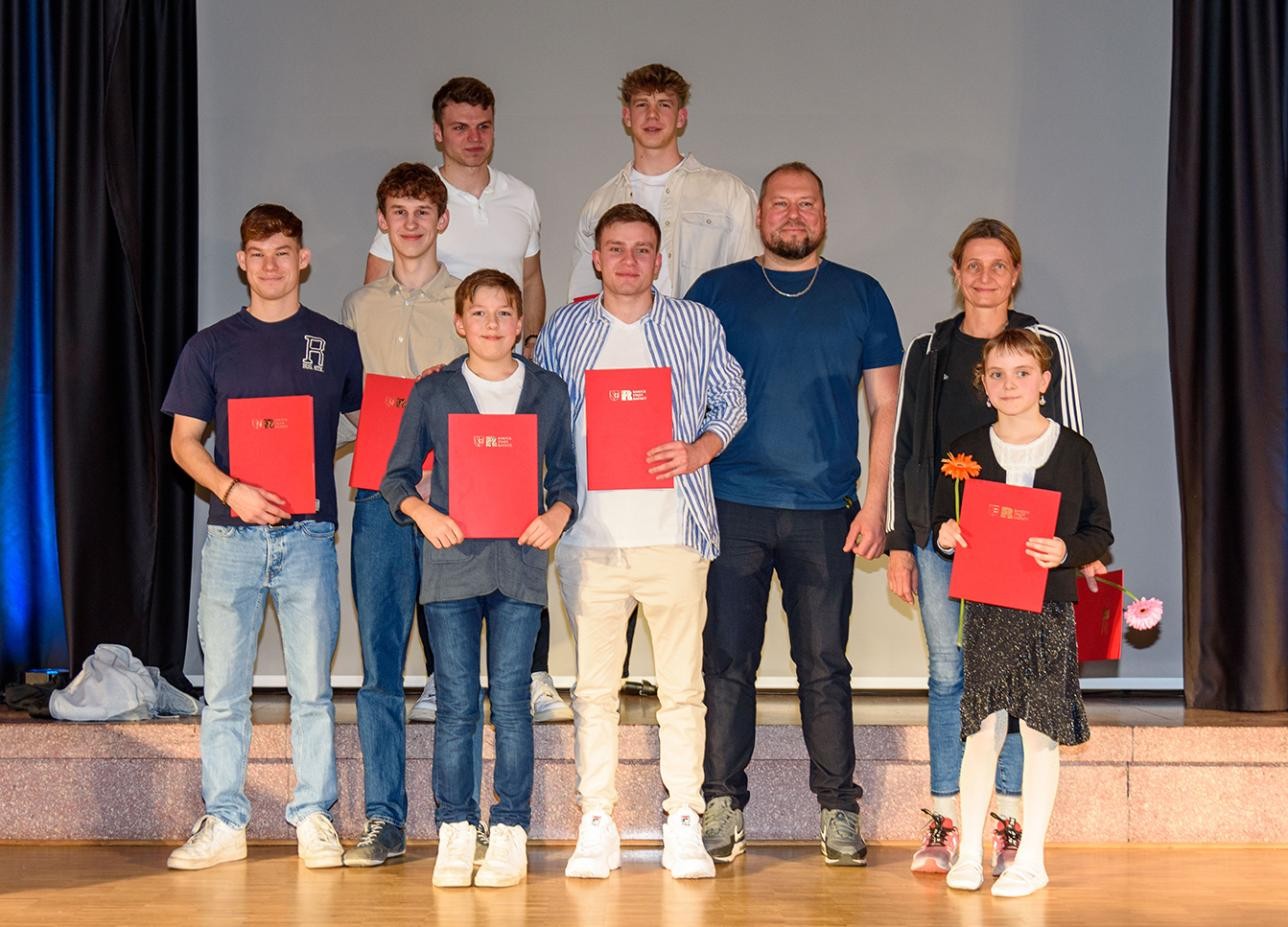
(242, 357)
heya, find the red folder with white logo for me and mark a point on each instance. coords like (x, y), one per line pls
(1099, 619)
(383, 401)
(270, 446)
(628, 413)
(997, 520)
(492, 476)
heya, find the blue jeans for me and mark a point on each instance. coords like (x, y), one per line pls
(454, 630)
(386, 567)
(817, 578)
(296, 565)
(939, 618)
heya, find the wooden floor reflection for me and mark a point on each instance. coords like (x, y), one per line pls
(772, 885)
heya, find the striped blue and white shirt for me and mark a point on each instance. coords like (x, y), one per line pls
(707, 388)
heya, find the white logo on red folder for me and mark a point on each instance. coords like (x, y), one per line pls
(395, 402)
(269, 424)
(627, 395)
(493, 441)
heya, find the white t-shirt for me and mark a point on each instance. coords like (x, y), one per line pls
(495, 397)
(499, 228)
(648, 190)
(622, 517)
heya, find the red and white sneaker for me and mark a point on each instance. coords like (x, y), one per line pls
(1006, 841)
(938, 849)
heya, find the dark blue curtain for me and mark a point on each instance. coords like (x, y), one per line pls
(1227, 302)
(31, 607)
(98, 286)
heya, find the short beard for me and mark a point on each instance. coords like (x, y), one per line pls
(794, 251)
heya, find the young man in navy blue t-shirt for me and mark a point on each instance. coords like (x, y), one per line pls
(807, 333)
(254, 547)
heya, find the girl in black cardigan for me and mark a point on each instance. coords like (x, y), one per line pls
(1017, 662)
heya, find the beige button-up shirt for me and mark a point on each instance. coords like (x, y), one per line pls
(402, 331)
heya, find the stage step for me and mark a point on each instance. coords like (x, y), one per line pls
(1152, 772)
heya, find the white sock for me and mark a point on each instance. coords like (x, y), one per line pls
(1041, 777)
(1008, 806)
(979, 767)
(945, 805)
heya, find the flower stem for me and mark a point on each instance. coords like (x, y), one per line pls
(1108, 582)
(961, 603)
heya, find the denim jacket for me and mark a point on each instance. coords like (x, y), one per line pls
(480, 566)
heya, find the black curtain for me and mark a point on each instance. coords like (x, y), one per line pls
(125, 273)
(1227, 299)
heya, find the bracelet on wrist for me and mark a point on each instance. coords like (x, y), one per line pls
(223, 500)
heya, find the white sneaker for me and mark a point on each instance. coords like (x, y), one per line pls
(547, 705)
(454, 867)
(212, 842)
(426, 707)
(506, 862)
(1017, 882)
(966, 875)
(682, 850)
(319, 845)
(599, 848)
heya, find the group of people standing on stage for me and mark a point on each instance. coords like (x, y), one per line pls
(683, 266)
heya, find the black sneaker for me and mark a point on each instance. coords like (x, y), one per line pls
(840, 840)
(722, 830)
(380, 841)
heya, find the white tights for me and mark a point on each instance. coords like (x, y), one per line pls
(1041, 776)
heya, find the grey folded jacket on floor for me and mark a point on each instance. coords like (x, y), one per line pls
(114, 685)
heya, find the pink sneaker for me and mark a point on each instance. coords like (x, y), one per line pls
(938, 849)
(1006, 841)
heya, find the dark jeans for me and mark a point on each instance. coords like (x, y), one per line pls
(817, 576)
(511, 630)
(540, 653)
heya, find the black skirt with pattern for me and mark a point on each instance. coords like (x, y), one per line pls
(1025, 663)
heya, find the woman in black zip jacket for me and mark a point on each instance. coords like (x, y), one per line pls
(938, 403)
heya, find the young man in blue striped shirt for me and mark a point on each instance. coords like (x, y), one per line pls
(649, 547)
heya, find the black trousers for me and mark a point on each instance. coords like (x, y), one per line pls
(817, 577)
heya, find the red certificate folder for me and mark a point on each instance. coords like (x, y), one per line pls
(383, 401)
(996, 521)
(492, 476)
(628, 413)
(1099, 619)
(270, 445)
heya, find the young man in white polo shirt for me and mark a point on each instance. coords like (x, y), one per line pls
(494, 223)
(649, 547)
(707, 216)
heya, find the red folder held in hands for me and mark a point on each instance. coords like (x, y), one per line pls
(628, 413)
(996, 521)
(1099, 619)
(492, 476)
(270, 445)
(383, 401)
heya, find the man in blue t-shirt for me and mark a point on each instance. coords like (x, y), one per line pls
(807, 333)
(254, 547)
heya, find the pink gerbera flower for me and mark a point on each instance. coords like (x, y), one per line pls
(1143, 614)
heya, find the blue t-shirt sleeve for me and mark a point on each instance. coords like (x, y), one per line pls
(882, 346)
(351, 399)
(702, 290)
(192, 387)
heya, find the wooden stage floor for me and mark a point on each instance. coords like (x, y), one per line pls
(772, 885)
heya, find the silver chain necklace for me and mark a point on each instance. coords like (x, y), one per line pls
(817, 267)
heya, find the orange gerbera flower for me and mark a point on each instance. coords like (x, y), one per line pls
(959, 466)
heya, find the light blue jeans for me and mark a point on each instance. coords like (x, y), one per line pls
(939, 618)
(296, 565)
